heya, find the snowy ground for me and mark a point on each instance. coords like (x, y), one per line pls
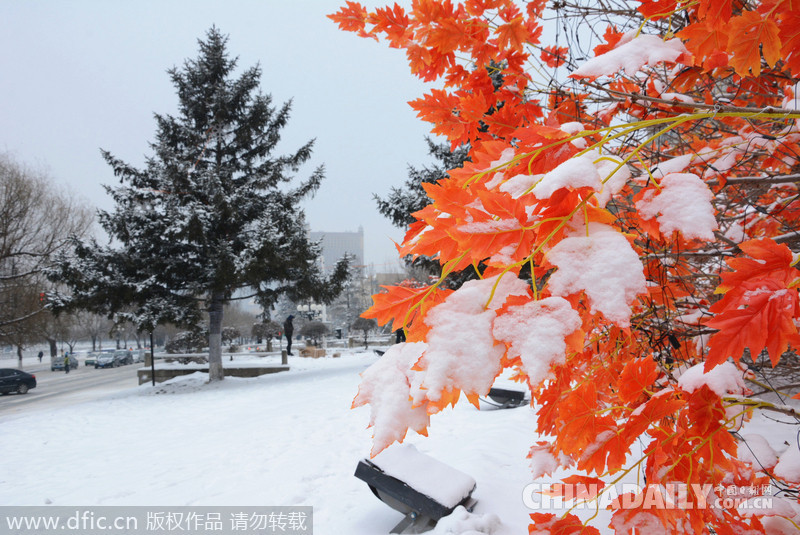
(284, 439)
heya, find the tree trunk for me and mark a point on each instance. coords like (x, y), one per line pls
(215, 371)
(19, 356)
(53, 347)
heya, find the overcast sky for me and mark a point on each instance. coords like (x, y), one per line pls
(81, 75)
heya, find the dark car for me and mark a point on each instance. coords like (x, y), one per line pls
(18, 381)
(124, 356)
(106, 360)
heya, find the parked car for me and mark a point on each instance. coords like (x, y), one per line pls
(18, 381)
(138, 355)
(91, 359)
(57, 362)
(124, 356)
(106, 360)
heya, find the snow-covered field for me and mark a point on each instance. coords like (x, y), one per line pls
(283, 439)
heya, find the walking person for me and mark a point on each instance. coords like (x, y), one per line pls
(66, 362)
(288, 330)
(41, 354)
(399, 336)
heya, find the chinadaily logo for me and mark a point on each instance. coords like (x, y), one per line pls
(563, 496)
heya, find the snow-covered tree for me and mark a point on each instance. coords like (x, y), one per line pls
(401, 202)
(314, 330)
(631, 207)
(365, 325)
(36, 220)
(212, 215)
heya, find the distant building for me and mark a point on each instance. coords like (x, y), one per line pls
(389, 279)
(336, 244)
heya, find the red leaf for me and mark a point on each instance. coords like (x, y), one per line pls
(756, 315)
(767, 260)
(749, 37)
(351, 18)
(401, 304)
(657, 9)
(394, 23)
(707, 42)
(637, 376)
(555, 56)
(550, 524)
(612, 37)
(515, 34)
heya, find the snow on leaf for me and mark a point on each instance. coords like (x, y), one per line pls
(574, 173)
(497, 225)
(682, 204)
(755, 449)
(536, 331)
(462, 353)
(614, 176)
(788, 466)
(544, 461)
(385, 386)
(723, 380)
(631, 56)
(604, 265)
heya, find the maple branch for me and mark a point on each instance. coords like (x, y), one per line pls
(768, 389)
(761, 404)
(721, 108)
(757, 180)
(786, 238)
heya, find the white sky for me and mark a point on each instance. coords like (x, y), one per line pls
(81, 75)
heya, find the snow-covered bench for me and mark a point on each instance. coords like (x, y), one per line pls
(417, 485)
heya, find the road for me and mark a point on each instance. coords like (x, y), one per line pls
(57, 388)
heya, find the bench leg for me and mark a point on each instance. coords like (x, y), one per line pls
(414, 523)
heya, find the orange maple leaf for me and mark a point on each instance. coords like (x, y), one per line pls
(756, 315)
(707, 42)
(446, 36)
(500, 227)
(351, 18)
(612, 37)
(790, 39)
(438, 107)
(718, 12)
(657, 9)
(550, 524)
(636, 378)
(394, 23)
(554, 56)
(586, 487)
(767, 260)
(514, 34)
(401, 304)
(751, 36)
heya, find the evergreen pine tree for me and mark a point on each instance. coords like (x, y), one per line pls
(400, 203)
(211, 214)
